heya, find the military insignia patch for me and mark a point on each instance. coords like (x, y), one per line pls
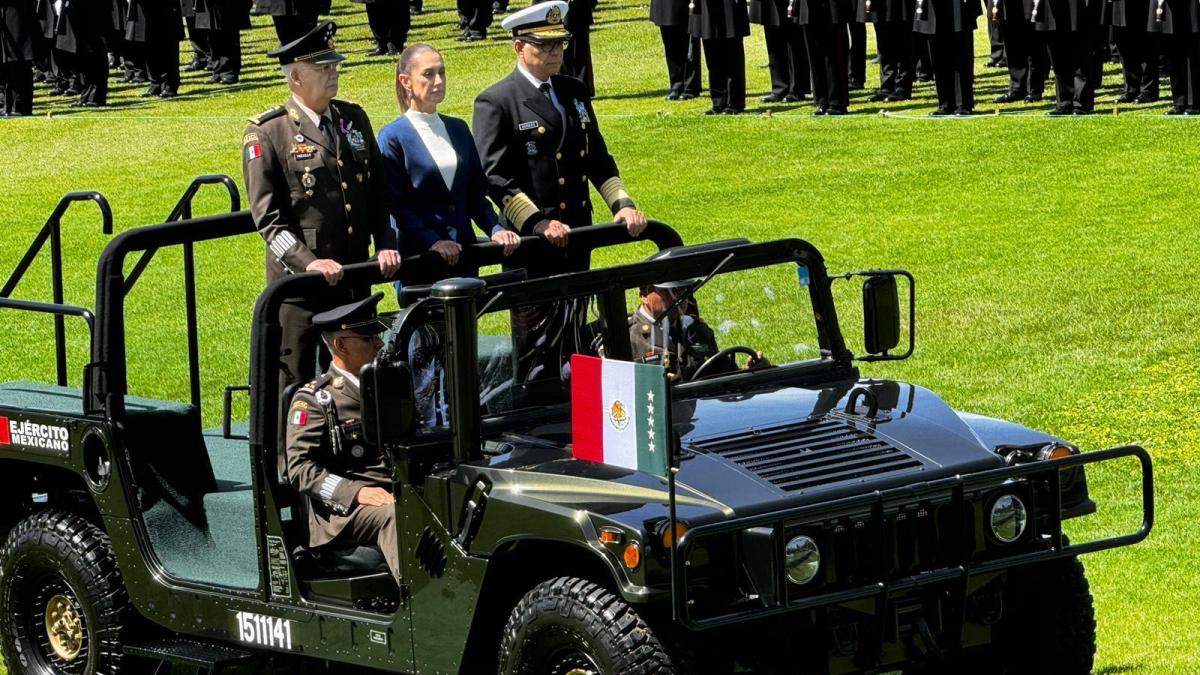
(308, 180)
(303, 151)
(298, 418)
(583, 113)
(554, 15)
(525, 126)
(531, 149)
(249, 138)
(253, 152)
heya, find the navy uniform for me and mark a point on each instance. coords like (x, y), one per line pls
(221, 22)
(682, 51)
(1179, 23)
(828, 42)
(787, 58)
(313, 194)
(156, 29)
(328, 460)
(390, 22)
(1026, 53)
(722, 27)
(1137, 46)
(293, 18)
(541, 146)
(18, 22)
(894, 39)
(1072, 32)
(950, 25)
(577, 55)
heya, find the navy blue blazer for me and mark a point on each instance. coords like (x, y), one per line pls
(424, 209)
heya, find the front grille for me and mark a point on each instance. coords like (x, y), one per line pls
(818, 452)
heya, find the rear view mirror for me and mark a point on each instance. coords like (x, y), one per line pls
(881, 314)
(389, 410)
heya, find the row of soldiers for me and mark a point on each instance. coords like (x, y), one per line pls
(809, 49)
(74, 44)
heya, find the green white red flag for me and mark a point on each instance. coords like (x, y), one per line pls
(619, 413)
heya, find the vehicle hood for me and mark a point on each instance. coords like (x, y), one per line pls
(763, 451)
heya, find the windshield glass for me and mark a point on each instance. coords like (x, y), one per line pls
(524, 353)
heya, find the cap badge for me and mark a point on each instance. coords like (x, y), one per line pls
(554, 15)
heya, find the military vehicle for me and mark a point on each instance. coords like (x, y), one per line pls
(813, 521)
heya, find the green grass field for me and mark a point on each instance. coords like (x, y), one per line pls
(1052, 256)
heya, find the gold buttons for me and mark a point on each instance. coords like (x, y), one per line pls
(340, 163)
(507, 200)
(583, 153)
(562, 181)
(308, 193)
(558, 155)
(562, 205)
(348, 209)
(349, 230)
(584, 179)
(307, 169)
(345, 186)
(583, 203)
(360, 177)
(541, 130)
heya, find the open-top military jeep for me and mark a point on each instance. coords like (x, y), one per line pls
(818, 522)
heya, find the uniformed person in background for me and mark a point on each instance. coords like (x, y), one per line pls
(1026, 52)
(722, 27)
(577, 53)
(389, 21)
(1137, 46)
(1179, 23)
(292, 18)
(222, 22)
(18, 22)
(787, 58)
(474, 18)
(347, 481)
(314, 182)
(540, 145)
(82, 51)
(1072, 32)
(894, 40)
(156, 26)
(950, 25)
(827, 38)
(197, 38)
(682, 51)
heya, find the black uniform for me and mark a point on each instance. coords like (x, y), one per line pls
(577, 56)
(1179, 24)
(222, 22)
(1027, 54)
(894, 40)
(474, 18)
(856, 55)
(1072, 32)
(681, 348)
(292, 18)
(538, 163)
(721, 26)
(826, 36)
(1138, 47)
(389, 21)
(198, 38)
(787, 57)
(950, 25)
(681, 49)
(80, 44)
(312, 197)
(158, 27)
(18, 23)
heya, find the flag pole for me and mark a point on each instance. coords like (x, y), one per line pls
(672, 469)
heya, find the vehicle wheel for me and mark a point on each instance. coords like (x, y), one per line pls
(62, 599)
(569, 626)
(1049, 627)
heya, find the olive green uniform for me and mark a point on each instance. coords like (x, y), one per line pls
(328, 462)
(689, 343)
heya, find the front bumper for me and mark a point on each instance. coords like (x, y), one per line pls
(958, 565)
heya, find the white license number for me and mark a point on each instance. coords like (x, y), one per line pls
(265, 631)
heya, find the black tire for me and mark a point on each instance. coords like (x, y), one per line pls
(1048, 627)
(55, 560)
(568, 625)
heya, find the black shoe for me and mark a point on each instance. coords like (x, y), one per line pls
(38, 76)
(1143, 98)
(673, 96)
(836, 111)
(85, 104)
(57, 91)
(1126, 98)
(878, 97)
(151, 92)
(854, 85)
(380, 50)
(899, 96)
(686, 96)
(715, 111)
(820, 111)
(195, 65)
(1033, 97)
(794, 98)
(732, 111)
(995, 63)
(771, 98)
(925, 78)
(1083, 111)
(1010, 97)
(168, 93)
(1175, 110)
(964, 112)
(393, 50)
(226, 80)
(474, 37)
(71, 91)
(941, 112)
(139, 79)
(1060, 112)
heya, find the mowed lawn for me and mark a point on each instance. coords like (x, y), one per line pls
(1054, 257)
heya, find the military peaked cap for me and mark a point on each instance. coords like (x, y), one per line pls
(316, 47)
(359, 317)
(542, 22)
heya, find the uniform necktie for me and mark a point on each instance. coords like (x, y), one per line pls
(545, 88)
(326, 127)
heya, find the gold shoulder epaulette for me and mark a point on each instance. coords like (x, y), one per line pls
(268, 114)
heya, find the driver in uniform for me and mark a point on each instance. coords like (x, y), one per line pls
(682, 342)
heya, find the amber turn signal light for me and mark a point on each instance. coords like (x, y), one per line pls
(680, 530)
(633, 555)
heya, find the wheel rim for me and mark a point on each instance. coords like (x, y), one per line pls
(64, 628)
(572, 662)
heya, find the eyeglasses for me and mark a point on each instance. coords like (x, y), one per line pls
(549, 47)
(368, 338)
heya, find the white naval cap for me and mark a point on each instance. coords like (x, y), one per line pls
(541, 22)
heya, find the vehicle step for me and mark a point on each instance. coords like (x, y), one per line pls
(187, 651)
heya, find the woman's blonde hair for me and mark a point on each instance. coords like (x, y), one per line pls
(405, 65)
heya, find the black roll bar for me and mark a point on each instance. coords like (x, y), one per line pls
(52, 230)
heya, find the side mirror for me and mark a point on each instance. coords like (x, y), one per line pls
(881, 314)
(389, 413)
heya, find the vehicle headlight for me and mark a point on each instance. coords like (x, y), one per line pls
(1008, 518)
(801, 559)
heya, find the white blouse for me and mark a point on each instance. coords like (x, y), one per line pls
(432, 131)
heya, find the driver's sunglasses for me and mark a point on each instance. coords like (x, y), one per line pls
(550, 47)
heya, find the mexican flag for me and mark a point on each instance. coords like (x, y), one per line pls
(619, 413)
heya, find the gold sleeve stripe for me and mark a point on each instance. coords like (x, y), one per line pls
(518, 208)
(613, 190)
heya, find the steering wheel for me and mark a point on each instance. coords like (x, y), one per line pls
(723, 354)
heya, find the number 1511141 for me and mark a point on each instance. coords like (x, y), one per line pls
(266, 631)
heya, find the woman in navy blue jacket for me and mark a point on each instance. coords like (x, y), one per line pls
(432, 169)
